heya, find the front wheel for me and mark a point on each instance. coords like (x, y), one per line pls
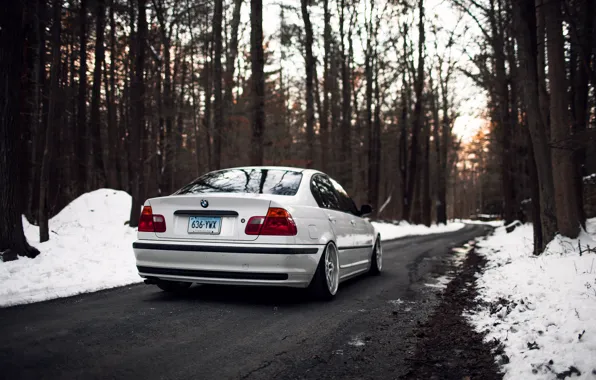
(376, 260)
(326, 279)
(173, 286)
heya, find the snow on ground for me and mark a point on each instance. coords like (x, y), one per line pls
(543, 309)
(90, 249)
(390, 231)
(492, 223)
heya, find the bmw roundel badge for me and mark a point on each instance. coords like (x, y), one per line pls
(204, 203)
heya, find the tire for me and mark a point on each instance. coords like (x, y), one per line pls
(376, 260)
(173, 286)
(320, 287)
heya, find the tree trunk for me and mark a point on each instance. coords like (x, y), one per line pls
(417, 124)
(12, 238)
(96, 172)
(208, 68)
(138, 112)
(525, 25)
(345, 155)
(568, 218)
(113, 135)
(48, 150)
(310, 69)
(324, 117)
(217, 88)
(83, 129)
(257, 60)
(230, 68)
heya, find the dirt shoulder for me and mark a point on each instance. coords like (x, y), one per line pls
(448, 348)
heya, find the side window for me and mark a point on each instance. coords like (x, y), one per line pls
(324, 194)
(346, 203)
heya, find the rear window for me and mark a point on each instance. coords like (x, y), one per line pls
(253, 181)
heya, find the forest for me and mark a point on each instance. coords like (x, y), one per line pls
(146, 95)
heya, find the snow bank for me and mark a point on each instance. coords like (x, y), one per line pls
(90, 249)
(390, 231)
(543, 309)
(492, 223)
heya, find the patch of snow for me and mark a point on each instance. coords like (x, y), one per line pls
(390, 231)
(492, 223)
(441, 283)
(90, 249)
(356, 342)
(396, 302)
(543, 309)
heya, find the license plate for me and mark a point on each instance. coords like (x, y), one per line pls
(204, 225)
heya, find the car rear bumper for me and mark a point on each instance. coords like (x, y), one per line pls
(229, 264)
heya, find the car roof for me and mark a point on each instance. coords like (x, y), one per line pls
(288, 168)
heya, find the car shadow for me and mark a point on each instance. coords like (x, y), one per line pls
(258, 295)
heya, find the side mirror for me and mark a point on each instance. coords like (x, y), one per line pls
(365, 210)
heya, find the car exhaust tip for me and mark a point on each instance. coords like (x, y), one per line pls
(151, 281)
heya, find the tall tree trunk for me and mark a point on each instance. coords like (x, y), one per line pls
(503, 120)
(83, 129)
(37, 116)
(258, 81)
(113, 135)
(375, 145)
(96, 172)
(525, 25)
(138, 112)
(217, 78)
(230, 68)
(345, 155)
(12, 238)
(324, 117)
(207, 113)
(568, 218)
(44, 181)
(417, 124)
(310, 70)
(581, 45)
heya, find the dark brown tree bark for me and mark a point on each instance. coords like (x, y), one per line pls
(207, 70)
(12, 238)
(568, 218)
(310, 70)
(324, 117)
(96, 172)
(417, 116)
(82, 134)
(230, 68)
(525, 25)
(44, 182)
(138, 112)
(257, 60)
(345, 148)
(217, 78)
(114, 167)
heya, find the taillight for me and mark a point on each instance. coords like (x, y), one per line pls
(150, 222)
(277, 222)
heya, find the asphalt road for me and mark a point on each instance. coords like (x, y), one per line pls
(212, 332)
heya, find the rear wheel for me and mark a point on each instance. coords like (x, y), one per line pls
(326, 279)
(376, 260)
(173, 286)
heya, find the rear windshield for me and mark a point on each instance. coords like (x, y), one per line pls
(254, 181)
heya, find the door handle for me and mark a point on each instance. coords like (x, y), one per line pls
(331, 219)
(352, 222)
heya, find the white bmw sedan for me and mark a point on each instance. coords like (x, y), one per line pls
(273, 226)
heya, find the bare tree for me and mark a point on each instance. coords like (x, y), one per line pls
(12, 238)
(258, 81)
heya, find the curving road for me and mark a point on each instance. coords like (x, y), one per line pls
(235, 333)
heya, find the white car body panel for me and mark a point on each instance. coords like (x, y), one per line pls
(234, 258)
